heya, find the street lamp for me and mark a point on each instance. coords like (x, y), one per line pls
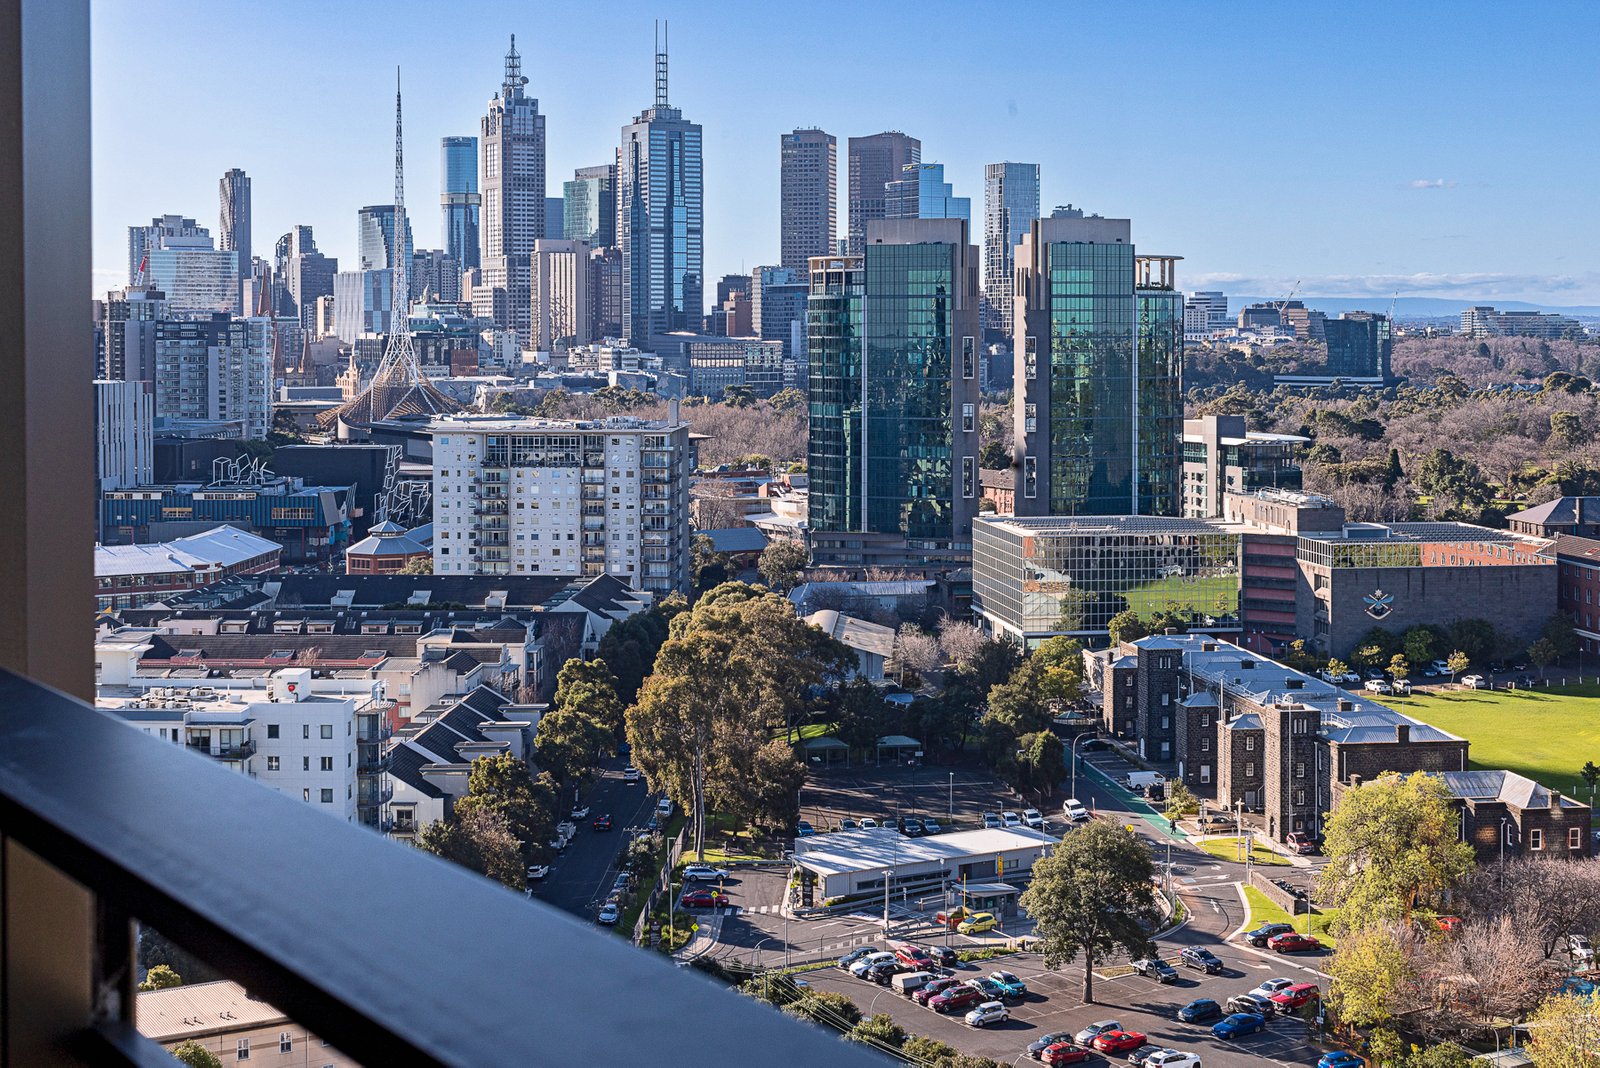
(1075, 741)
(951, 817)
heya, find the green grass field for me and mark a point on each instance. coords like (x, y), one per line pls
(1228, 849)
(1545, 735)
(1262, 910)
(1198, 594)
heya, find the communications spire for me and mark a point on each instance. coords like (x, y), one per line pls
(661, 64)
(514, 82)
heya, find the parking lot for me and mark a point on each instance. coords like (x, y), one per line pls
(958, 795)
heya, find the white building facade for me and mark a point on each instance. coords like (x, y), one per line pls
(124, 424)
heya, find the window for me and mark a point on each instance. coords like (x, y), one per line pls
(1166, 722)
(305, 795)
(969, 357)
(285, 1042)
(1205, 773)
(305, 763)
(1299, 797)
(305, 730)
(272, 730)
(1574, 838)
(1536, 839)
(1249, 771)
(1030, 418)
(1030, 358)
(969, 418)
(327, 797)
(1205, 745)
(272, 763)
(1300, 769)
(327, 730)
(969, 476)
(1250, 744)
(327, 763)
(244, 1049)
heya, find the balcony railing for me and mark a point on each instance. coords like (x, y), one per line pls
(301, 911)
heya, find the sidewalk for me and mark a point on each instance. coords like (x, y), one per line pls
(705, 937)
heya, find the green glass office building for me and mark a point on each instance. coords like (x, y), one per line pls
(893, 392)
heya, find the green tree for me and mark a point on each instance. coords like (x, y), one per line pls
(1419, 644)
(1393, 847)
(1477, 638)
(782, 562)
(1590, 773)
(1399, 667)
(1092, 897)
(504, 785)
(1560, 632)
(1126, 626)
(738, 396)
(1566, 428)
(568, 743)
(195, 1055)
(1057, 664)
(630, 645)
(1543, 653)
(1180, 802)
(421, 565)
(995, 456)
(880, 1031)
(590, 686)
(826, 1008)
(479, 840)
(787, 400)
(1368, 657)
(1565, 1032)
(1037, 763)
(160, 977)
(1336, 668)
(920, 1049)
(707, 567)
(1370, 972)
(1457, 662)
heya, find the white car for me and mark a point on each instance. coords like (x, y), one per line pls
(1010, 819)
(871, 960)
(566, 829)
(1476, 682)
(703, 873)
(664, 807)
(1402, 687)
(630, 773)
(869, 824)
(1073, 811)
(538, 871)
(1172, 1058)
(579, 812)
(1033, 818)
(1378, 686)
(987, 1013)
(1271, 987)
(609, 914)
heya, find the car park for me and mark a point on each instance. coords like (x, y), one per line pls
(1259, 936)
(1291, 998)
(913, 955)
(990, 989)
(609, 914)
(1119, 1041)
(1087, 1036)
(937, 986)
(1172, 1058)
(1143, 1054)
(1340, 1058)
(1012, 987)
(955, 999)
(977, 923)
(1249, 1003)
(1238, 1025)
(1201, 958)
(1200, 1010)
(579, 812)
(1073, 811)
(990, 1012)
(1269, 987)
(703, 899)
(884, 971)
(1294, 942)
(704, 873)
(1037, 1047)
(602, 822)
(907, 983)
(1157, 969)
(1033, 818)
(1063, 1053)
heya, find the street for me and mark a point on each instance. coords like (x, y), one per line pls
(581, 877)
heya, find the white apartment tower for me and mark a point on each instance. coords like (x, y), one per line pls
(560, 294)
(558, 497)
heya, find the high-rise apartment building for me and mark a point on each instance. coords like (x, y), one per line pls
(660, 190)
(128, 334)
(141, 239)
(303, 273)
(233, 235)
(1098, 342)
(922, 193)
(589, 206)
(808, 206)
(1010, 204)
(560, 295)
(459, 200)
(216, 369)
(1205, 313)
(195, 277)
(875, 161)
(434, 274)
(778, 312)
(893, 394)
(361, 303)
(124, 424)
(606, 298)
(555, 497)
(375, 244)
(511, 176)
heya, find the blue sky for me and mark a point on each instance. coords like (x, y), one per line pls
(1435, 149)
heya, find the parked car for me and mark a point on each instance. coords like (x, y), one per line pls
(1259, 936)
(1033, 818)
(911, 828)
(1202, 958)
(1475, 682)
(908, 983)
(1038, 1046)
(1119, 1041)
(703, 899)
(1200, 1010)
(932, 827)
(956, 998)
(1143, 1054)
(868, 824)
(1214, 821)
(664, 808)
(1269, 987)
(859, 967)
(1294, 942)
(1157, 969)
(622, 881)
(803, 829)
(1010, 819)
(1238, 1025)
(1402, 687)
(704, 873)
(914, 955)
(1063, 1053)
(1378, 686)
(950, 919)
(537, 872)
(1441, 666)
(1087, 1036)
(1340, 1058)
(1073, 811)
(1249, 1003)
(1579, 948)
(944, 956)
(987, 1013)
(630, 774)
(991, 820)
(991, 990)
(1295, 997)
(566, 828)
(1302, 843)
(1014, 988)
(884, 971)
(602, 822)
(579, 812)
(610, 913)
(849, 825)
(977, 923)
(1525, 681)
(1172, 1058)
(936, 986)
(1431, 672)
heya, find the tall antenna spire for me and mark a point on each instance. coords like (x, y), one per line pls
(400, 302)
(514, 79)
(661, 64)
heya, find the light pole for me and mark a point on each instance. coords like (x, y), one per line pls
(951, 816)
(1075, 741)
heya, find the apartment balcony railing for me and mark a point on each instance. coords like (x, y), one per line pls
(241, 751)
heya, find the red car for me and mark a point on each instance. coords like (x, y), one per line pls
(925, 993)
(961, 996)
(703, 899)
(1064, 1053)
(1293, 942)
(1293, 997)
(914, 956)
(602, 823)
(1119, 1041)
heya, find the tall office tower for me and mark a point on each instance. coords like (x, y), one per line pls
(1360, 345)
(128, 334)
(215, 369)
(303, 274)
(375, 246)
(778, 310)
(233, 235)
(808, 205)
(606, 302)
(459, 201)
(141, 239)
(589, 206)
(893, 393)
(560, 295)
(875, 161)
(551, 497)
(555, 220)
(436, 275)
(1098, 342)
(124, 422)
(660, 181)
(922, 193)
(511, 170)
(195, 277)
(1010, 204)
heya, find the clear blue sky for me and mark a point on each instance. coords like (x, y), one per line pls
(1438, 149)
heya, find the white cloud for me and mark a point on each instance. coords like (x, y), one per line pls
(1431, 183)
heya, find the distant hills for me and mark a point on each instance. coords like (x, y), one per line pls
(1413, 307)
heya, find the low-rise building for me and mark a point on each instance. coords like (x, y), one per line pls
(1504, 815)
(309, 522)
(873, 644)
(1578, 592)
(127, 576)
(429, 762)
(845, 863)
(1574, 516)
(1221, 456)
(232, 1023)
(389, 549)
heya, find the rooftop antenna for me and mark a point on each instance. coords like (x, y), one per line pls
(514, 82)
(661, 64)
(399, 305)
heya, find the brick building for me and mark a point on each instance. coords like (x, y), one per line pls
(1504, 814)
(1578, 587)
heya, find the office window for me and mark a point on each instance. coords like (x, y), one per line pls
(327, 797)
(305, 730)
(272, 730)
(327, 730)
(969, 476)
(285, 1042)
(327, 763)
(969, 418)
(1030, 358)
(1536, 839)
(1030, 476)
(272, 763)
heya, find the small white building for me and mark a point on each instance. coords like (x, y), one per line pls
(872, 644)
(857, 862)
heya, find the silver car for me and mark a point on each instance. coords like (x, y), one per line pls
(1087, 1036)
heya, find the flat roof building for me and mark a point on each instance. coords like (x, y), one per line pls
(845, 863)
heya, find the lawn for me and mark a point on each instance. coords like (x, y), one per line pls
(1228, 849)
(1262, 910)
(1190, 591)
(1546, 735)
(808, 731)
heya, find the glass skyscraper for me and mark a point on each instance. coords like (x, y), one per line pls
(922, 193)
(1098, 349)
(893, 395)
(589, 203)
(375, 237)
(1010, 204)
(459, 201)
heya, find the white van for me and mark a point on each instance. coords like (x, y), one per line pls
(664, 808)
(907, 982)
(1143, 780)
(1073, 811)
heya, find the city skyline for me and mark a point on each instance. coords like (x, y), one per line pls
(1367, 185)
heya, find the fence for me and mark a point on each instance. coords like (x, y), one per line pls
(662, 884)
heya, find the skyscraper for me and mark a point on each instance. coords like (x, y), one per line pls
(375, 237)
(1098, 346)
(778, 311)
(141, 239)
(1010, 204)
(660, 191)
(589, 203)
(875, 161)
(304, 274)
(808, 206)
(233, 235)
(893, 395)
(560, 295)
(459, 201)
(922, 193)
(512, 171)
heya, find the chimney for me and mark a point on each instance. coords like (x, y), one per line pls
(1346, 705)
(1402, 733)
(1169, 631)
(1555, 800)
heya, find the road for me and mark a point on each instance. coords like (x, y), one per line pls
(581, 877)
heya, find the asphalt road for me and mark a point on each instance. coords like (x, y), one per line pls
(581, 877)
